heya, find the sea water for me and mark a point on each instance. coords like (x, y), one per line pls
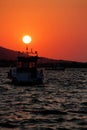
(60, 103)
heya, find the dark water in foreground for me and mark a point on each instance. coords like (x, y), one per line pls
(59, 104)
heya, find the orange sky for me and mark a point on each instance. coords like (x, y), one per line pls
(58, 27)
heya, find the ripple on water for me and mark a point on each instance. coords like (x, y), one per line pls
(59, 104)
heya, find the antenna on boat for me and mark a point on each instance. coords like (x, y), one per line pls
(26, 49)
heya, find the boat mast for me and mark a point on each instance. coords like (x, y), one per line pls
(27, 49)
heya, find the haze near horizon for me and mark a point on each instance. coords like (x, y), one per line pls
(58, 28)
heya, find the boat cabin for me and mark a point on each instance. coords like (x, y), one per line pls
(27, 63)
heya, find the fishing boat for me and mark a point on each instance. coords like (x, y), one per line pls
(26, 72)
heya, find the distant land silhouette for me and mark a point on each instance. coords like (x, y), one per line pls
(8, 57)
(7, 54)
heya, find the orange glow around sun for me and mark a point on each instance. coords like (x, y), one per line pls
(57, 28)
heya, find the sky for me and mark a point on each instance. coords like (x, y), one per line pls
(58, 27)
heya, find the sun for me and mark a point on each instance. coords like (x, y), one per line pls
(26, 39)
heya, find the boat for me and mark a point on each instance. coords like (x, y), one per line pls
(26, 71)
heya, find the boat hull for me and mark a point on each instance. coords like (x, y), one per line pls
(23, 83)
(25, 78)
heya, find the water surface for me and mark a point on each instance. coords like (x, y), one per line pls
(58, 104)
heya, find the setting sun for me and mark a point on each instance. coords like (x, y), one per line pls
(26, 39)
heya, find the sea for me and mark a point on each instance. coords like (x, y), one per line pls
(60, 103)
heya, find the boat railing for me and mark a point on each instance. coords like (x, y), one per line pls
(31, 53)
